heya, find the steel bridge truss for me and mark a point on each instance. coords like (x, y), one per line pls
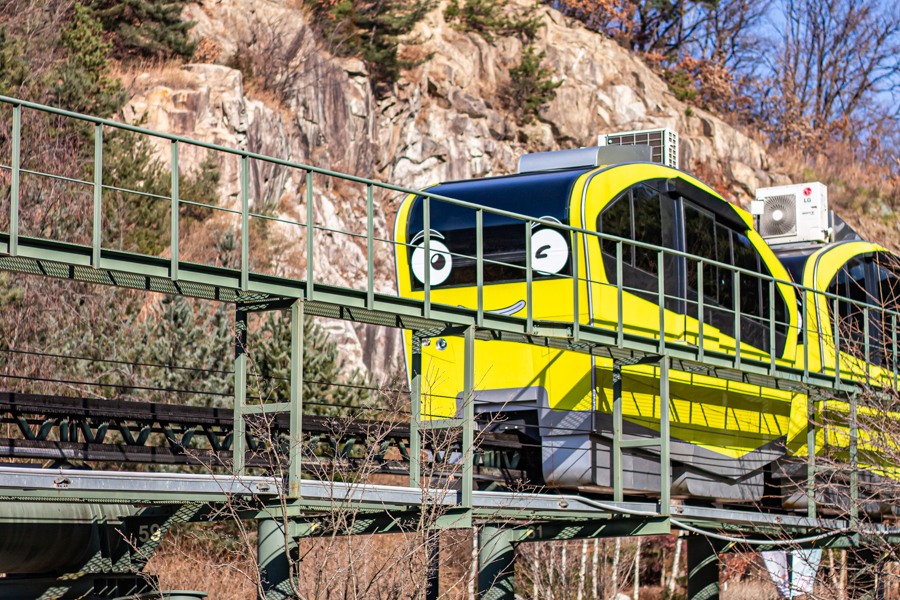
(252, 292)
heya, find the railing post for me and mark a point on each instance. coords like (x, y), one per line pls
(805, 329)
(296, 428)
(245, 223)
(479, 264)
(415, 418)
(98, 194)
(620, 332)
(616, 475)
(468, 433)
(737, 318)
(700, 309)
(310, 230)
(661, 293)
(239, 441)
(854, 464)
(665, 462)
(529, 280)
(894, 347)
(866, 347)
(173, 269)
(14, 184)
(811, 456)
(773, 350)
(837, 343)
(426, 222)
(576, 333)
(370, 247)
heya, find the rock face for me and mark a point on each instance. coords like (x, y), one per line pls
(445, 119)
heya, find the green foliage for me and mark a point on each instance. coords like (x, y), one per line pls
(145, 28)
(80, 83)
(373, 32)
(141, 223)
(681, 84)
(486, 18)
(271, 357)
(530, 85)
(10, 294)
(14, 68)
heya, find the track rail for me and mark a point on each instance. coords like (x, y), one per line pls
(65, 428)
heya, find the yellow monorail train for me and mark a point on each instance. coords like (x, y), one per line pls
(724, 434)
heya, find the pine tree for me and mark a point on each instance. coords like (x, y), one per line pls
(80, 83)
(146, 28)
(372, 31)
(270, 355)
(530, 84)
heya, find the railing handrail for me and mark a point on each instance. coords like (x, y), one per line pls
(440, 198)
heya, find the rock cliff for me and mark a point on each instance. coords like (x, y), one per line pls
(444, 119)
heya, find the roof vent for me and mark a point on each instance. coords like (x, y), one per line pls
(583, 157)
(663, 141)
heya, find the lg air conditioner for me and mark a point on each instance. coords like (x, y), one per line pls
(792, 213)
(663, 143)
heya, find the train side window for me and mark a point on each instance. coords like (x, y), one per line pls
(887, 268)
(647, 227)
(642, 214)
(746, 257)
(616, 220)
(725, 277)
(850, 282)
(700, 240)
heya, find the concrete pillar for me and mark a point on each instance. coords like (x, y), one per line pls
(702, 568)
(272, 558)
(496, 555)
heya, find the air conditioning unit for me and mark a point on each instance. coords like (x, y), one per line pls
(663, 142)
(792, 213)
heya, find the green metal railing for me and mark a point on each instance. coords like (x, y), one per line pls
(581, 333)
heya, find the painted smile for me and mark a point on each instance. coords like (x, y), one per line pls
(509, 310)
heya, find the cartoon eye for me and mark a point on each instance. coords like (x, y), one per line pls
(550, 252)
(441, 263)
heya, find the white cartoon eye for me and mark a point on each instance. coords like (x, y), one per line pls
(441, 263)
(550, 252)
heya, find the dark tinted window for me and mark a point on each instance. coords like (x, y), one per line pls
(648, 227)
(700, 240)
(851, 283)
(616, 220)
(653, 223)
(887, 280)
(539, 195)
(644, 214)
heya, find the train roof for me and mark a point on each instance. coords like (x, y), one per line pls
(536, 194)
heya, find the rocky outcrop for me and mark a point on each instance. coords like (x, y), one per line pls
(445, 119)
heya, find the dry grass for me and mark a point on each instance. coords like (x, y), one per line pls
(183, 564)
(863, 190)
(146, 75)
(752, 588)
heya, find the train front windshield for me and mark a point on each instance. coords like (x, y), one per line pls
(544, 195)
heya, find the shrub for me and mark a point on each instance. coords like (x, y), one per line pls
(145, 28)
(486, 18)
(80, 83)
(530, 85)
(372, 31)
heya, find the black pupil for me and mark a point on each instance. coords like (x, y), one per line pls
(438, 261)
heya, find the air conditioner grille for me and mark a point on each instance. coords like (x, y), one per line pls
(663, 143)
(779, 216)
